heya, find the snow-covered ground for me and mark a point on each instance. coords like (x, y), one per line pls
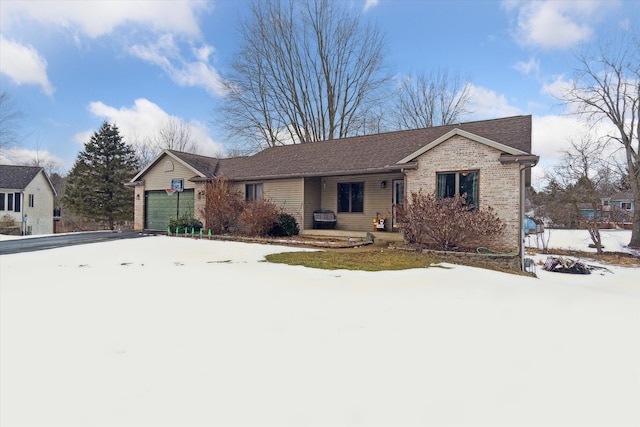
(162, 331)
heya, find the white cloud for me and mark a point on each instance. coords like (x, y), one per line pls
(552, 136)
(24, 65)
(369, 4)
(554, 24)
(487, 104)
(97, 18)
(24, 156)
(196, 73)
(142, 121)
(557, 87)
(527, 68)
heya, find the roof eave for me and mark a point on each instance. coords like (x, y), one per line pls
(344, 172)
(528, 160)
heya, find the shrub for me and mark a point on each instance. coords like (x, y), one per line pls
(447, 223)
(185, 221)
(285, 226)
(222, 207)
(257, 217)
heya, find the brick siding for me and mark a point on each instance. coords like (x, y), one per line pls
(498, 187)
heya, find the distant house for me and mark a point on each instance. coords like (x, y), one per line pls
(358, 178)
(26, 199)
(612, 211)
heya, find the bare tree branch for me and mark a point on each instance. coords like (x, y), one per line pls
(305, 71)
(10, 116)
(606, 87)
(433, 99)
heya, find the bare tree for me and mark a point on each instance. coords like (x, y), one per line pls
(433, 99)
(581, 173)
(305, 71)
(10, 116)
(606, 88)
(175, 134)
(146, 150)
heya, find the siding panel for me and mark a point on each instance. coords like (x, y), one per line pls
(40, 216)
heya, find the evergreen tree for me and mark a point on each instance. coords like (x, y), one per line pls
(95, 185)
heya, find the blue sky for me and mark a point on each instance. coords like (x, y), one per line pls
(69, 65)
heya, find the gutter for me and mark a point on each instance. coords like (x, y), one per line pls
(382, 169)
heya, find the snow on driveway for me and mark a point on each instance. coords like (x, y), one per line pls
(163, 331)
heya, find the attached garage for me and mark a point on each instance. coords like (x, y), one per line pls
(161, 207)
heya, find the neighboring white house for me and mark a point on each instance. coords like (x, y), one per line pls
(27, 197)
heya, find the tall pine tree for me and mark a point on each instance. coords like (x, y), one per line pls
(95, 185)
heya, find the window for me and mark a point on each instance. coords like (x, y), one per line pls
(626, 205)
(351, 197)
(31, 200)
(253, 191)
(16, 203)
(9, 201)
(459, 183)
(1, 201)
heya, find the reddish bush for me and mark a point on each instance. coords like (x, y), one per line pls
(447, 223)
(258, 217)
(223, 207)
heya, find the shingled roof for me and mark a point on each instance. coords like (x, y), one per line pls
(17, 177)
(354, 155)
(366, 154)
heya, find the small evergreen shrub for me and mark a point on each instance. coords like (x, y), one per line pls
(285, 226)
(185, 221)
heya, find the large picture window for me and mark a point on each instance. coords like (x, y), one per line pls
(351, 197)
(459, 183)
(253, 191)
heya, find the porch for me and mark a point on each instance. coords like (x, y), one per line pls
(383, 238)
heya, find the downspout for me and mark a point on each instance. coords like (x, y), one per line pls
(523, 177)
(525, 162)
(24, 218)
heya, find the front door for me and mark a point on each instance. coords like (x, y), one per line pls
(398, 200)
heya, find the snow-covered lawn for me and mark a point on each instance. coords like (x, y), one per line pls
(163, 331)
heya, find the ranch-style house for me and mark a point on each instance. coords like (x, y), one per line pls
(357, 178)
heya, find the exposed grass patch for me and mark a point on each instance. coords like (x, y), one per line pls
(372, 260)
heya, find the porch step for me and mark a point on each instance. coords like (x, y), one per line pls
(380, 237)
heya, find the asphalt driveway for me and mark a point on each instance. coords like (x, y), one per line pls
(56, 241)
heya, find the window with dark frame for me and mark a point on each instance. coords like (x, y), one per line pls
(16, 202)
(2, 201)
(32, 200)
(253, 191)
(350, 197)
(463, 183)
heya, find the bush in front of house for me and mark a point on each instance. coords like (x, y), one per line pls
(257, 217)
(285, 226)
(225, 212)
(185, 221)
(223, 207)
(447, 223)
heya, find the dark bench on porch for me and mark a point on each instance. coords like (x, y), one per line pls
(324, 219)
